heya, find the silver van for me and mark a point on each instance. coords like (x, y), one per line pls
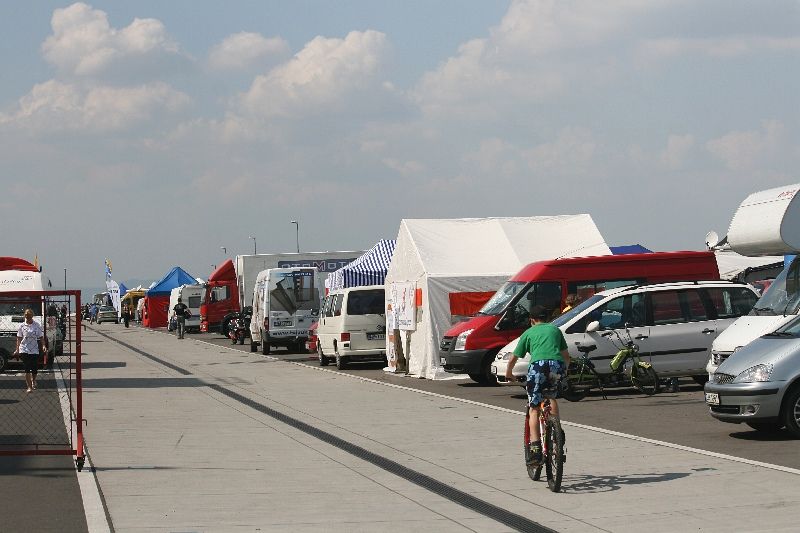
(759, 384)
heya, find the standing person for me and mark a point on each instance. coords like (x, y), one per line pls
(30, 342)
(549, 363)
(126, 315)
(181, 313)
(93, 313)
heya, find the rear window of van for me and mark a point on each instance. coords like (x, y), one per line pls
(366, 302)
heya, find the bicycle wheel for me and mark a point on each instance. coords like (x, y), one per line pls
(554, 457)
(570, 392)
(534, 472)
(644, 378)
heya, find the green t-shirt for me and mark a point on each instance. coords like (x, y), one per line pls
(542, 341)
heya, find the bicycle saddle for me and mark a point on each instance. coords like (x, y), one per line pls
(586, 348)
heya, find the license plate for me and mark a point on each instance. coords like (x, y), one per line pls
(282, 323)
(376, 336)
(712, 398)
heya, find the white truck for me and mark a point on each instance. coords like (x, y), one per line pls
(248, 266)
(766, 223)
(18, 275)
(192, 296)
(286, 302)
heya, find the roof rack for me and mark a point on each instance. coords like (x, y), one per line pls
(669, 283)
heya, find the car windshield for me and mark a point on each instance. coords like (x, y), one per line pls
(783, 295)
(577, 310)
(499, 301)
(107, 309)
(792, 329)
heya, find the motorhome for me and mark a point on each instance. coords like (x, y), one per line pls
(470, 347)
(286, 302)
(766, 223)
(191, 295)
(19, 275)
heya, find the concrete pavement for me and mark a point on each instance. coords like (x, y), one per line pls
(190, 436)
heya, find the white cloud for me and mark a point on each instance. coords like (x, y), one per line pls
(245, 49)
(324, 76)
(677, 150)
(742, 150)
(716, 47)
(569, 153)
(56, 106)
(83, 43)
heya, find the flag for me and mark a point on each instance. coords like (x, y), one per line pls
(108, 269)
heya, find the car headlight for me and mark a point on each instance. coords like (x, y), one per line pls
(504, 356)
(461, 340)
(754, 374)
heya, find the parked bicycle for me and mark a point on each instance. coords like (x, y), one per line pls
(627, 368)
(553, 447)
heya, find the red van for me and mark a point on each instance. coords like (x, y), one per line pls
(470, 347)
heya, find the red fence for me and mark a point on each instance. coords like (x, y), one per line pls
(49, 419)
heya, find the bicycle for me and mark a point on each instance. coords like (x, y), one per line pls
(626, 367)
(553, 448)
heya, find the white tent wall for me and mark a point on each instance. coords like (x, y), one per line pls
(474, 255)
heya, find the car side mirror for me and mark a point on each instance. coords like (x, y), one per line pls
(593, 326)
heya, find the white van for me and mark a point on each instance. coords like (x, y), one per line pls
(352, 326)
(11, 311)
(779, 304)
(285, 304)
(192, 296)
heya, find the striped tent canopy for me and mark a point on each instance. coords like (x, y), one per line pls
(369, 269)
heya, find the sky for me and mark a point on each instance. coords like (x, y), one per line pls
(156, 133)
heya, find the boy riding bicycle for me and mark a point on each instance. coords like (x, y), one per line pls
(549, 363)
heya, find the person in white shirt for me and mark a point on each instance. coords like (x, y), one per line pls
(30, 342)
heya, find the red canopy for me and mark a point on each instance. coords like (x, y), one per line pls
(15, 263)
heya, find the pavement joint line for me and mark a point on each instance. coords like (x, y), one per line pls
(466, 500)
(698, 451)
(94, 509)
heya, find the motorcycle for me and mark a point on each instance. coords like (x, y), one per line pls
(239, 327)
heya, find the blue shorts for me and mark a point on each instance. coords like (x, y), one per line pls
(543, 378)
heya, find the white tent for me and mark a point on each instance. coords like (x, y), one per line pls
(447, 256)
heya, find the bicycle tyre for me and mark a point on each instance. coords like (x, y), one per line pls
(554, 459)
(645, 379)
(569, 393)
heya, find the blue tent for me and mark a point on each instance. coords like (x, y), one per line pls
(122, 290)
(630, 249)
(174, 278)
(369, 269)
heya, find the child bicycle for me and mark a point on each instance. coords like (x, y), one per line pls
(626, 368)
(554, 452)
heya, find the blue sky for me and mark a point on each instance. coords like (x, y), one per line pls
(153, 133)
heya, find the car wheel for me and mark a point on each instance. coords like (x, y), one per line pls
(791, 411)
(264, 345)
(323, 360)
(253, 346)
(485, 377)
(341, 362)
